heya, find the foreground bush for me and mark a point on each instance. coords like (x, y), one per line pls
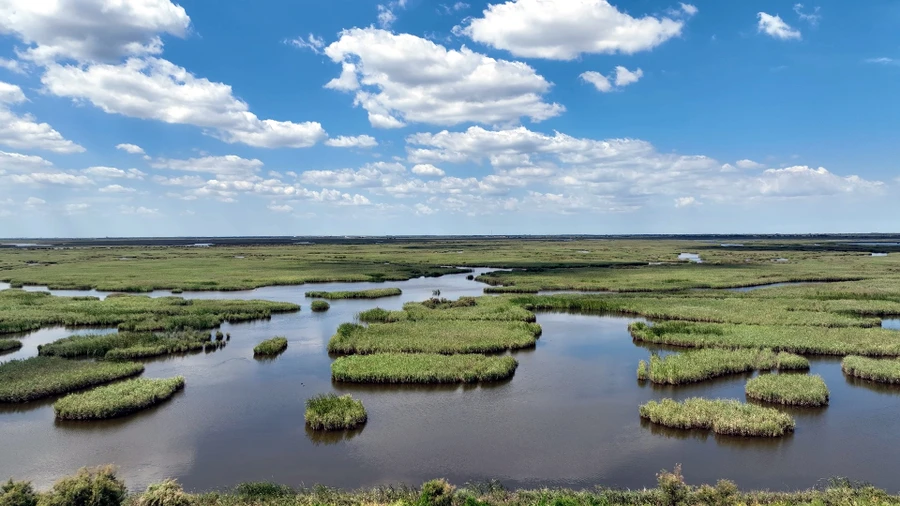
(727, 417)
(790, 389)
(446, 337)
(332, 412)
(360, 294)
(17, 493)
(422, 368)
(706, 364)
(319, 306)
(167, 493)
(119, 399)
(39, 377)
(880, 370)
(271, 347)
(90, 487)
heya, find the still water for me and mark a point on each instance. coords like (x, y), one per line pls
(567, 418)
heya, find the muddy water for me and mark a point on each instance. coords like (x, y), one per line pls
(567, 418)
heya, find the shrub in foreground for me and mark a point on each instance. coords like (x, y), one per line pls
(790, 389)
(118, 399)
(333, 412)
(319, 306)
(422, 368)
(167, 493)
(727, 417)
(880, 370)
(90, 487)
(39, 377)
(271, 347)
(17, 493)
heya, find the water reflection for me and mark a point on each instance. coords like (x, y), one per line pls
(332, 437)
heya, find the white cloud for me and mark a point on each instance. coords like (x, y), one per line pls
(686, 202)
(372, 175)
(426, 169)
(77, 208)
(311, 42)
(775, 27)
(57, 178)
(403, 78)
(24, 132)
(422, 209)
(883, 61)
(689, 9)
(279, 208)
(223, 166)
(153, 88)
(624, 77)
(133, 149)
(17, 162)
(565, 29)
(749, 165)
(803, 181)
(812, 18)
(91, 30)
(186, 181)
(386, 16)
(11, 94)
(116, 188)
(141, 210)
(113, 173)
(14, 66)
(599, 81)
(35, 202)
(361, 141)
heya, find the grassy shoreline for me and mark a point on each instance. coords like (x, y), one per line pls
(376, 293)
(727, 417)
(706, 364)
(878, 370)
(118, 399)
(40, 377)
(789, 389)
(422, 368)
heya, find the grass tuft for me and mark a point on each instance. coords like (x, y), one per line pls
(271, 347)
(880, 370)
(376, 293)
(728, 417)
(789, 389)
(422, 368)
(7, 345)
(126, 345)
(332, 412)
(118, 399)
(319, 306)
(39, 377)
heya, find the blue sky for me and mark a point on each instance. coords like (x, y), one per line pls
(278, 117)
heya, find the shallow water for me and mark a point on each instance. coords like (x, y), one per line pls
(567, 418)
(691, 257)
(890, 323)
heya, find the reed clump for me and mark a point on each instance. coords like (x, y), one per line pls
(879, 370)
(333, 412)
(39, 377)
(375, 293)
(422, 368)
(271, 347)
(728, 417)
(320, 306)
(118, 399)
(445, 337)
(7, 345)
(705, 364)
(126, 345)
(789, 389)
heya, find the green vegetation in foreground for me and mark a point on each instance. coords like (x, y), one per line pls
(790, 389)
(9, 345)
(794, 339)
(39, 377)
(22, 311)
(880, 370)
(701, 365)
(445, 337)
(375, 293)
(118, 399)
(422, 368)
(319, 306)
(466, 308)
(101, 487)
(127, 345)
(271, 347)
(728, 417)
(333, 412)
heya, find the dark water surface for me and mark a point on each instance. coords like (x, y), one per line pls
(568, 417)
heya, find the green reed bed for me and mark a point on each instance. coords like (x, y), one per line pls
(789, 389)
(333, 412)
(271, 347)
(320, 306)
(701, 365)
(728, 417)
(794, 339)
(422, 368)
(7, 345)
(39, 377)
(127, 345)
(880, 370)
(465, 308)
(376, 293)
(444, 337)
(118, 399)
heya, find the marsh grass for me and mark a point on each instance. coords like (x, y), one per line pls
(444, 337)
(39, 377)
(7, 345)
(333, 412)
(705, 364)
(375, 293)
(466, 308)
(319, 306)
(879, 370)
(422, 368)
(728, 417)
(126, 345)
(118, 399)
(271, 347)
(789, 389)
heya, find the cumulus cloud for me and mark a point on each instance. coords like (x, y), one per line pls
(622, 78)
(17, 162)
(113, 173)
(689, 9)
(54, 178)
(360, 141)
(24, 132)
(426, 169)
(686, 202)
(116, 188)
(133, 149)
(601, 82)
(279, 208)
(401, 78)
(775, 27)
(749, 165)
(372, 175)
(140, 210)
(565, 29)
(804, 181)
(13, 66)
(223, 166)
(35, 202)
